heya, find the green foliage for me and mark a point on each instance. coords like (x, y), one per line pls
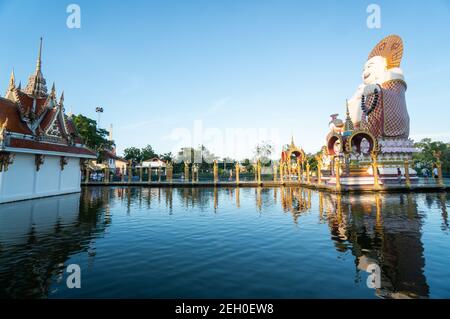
(248, 165)
(132, 154)
(94, 138)
(166, 157)
(147, 153)
(426, 158)
(312, 161)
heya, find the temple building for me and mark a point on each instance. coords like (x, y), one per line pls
(41, 152)
(371, 146)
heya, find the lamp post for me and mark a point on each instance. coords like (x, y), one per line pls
(99, 111)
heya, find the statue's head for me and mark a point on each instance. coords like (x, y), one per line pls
(374, 70)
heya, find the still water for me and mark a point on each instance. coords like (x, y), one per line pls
(227, 243)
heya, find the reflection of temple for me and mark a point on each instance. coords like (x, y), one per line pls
(44, 234)
(295, 200)
(382, 230)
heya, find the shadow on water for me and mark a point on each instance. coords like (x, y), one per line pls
(37, 237)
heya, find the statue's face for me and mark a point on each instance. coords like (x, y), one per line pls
(374, 70)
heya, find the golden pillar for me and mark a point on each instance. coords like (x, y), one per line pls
(374, 156)
(186, 171)
(237, 172)
(307, 173)
(281, 172)
(407, 177)
(193, 172)
(123, 173)
(319, 170)
(170, 172)
(130, 173)
(337, 174)
(216, 171)
(299, 171)
(258, 170)
(106, 180)
(275, 172)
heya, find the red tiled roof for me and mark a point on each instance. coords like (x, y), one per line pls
(29, 144)
(9, 110)
(111, 155)
(47, 119)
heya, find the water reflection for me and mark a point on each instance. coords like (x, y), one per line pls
(38, 237)
(385, 230)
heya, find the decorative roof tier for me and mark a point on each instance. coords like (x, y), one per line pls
(36, 86)
(37, 118)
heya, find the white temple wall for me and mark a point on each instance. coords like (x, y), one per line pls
(22, 180)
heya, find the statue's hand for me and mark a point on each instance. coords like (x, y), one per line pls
(370, 89)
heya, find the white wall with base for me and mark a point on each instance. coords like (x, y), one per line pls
(23, 181)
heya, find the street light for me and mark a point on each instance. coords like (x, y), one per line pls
(99, 111)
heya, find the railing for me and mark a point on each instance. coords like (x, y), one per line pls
(326, 179)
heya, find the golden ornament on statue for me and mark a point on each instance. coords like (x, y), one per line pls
(391, 48)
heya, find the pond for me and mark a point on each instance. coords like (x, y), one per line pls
(138, 242)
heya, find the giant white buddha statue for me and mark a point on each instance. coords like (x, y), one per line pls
(379, 104)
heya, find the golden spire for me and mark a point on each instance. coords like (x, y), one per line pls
(36, 86)
(39, 62)
(12, 84)
(12, 79)
(348, 120)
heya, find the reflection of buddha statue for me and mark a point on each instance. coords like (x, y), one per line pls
(379, 104)
(384, 230)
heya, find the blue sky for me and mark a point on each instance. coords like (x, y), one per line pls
(157, 66)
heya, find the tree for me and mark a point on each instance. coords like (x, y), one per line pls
(426, 157)
(94, 138)
(133, 154)
(263, 152)
(147, 153)
(248, 165)
(166, 157)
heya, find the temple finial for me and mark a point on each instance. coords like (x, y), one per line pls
(53, 91)
(12, 79)
(39, 60)
(348, 127)
(12, 83)
(61, 99)
(36, 86)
